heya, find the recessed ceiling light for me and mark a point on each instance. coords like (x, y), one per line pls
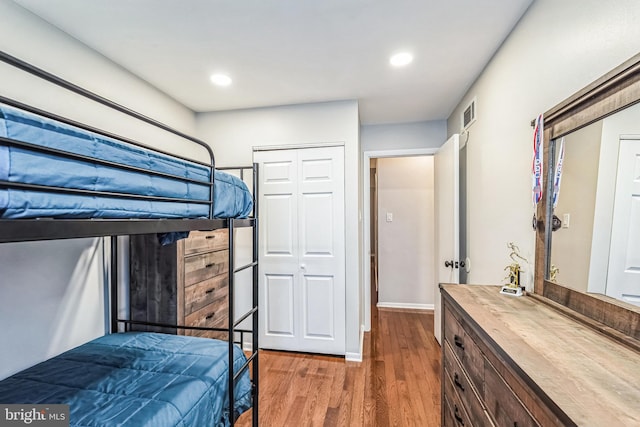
(401, 59)
(220, 79)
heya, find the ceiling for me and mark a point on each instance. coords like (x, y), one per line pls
(281, 52)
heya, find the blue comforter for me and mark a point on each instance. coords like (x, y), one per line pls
(136, 379)
(232, 198)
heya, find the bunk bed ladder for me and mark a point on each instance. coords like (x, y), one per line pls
(253, 312)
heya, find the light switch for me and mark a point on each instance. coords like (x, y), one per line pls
(565, 220)
(389, 216)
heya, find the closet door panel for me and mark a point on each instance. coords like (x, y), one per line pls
(322, 242)
(278, 209)
(278, 262)
(319, 309)
(317, 235)
(280, 305)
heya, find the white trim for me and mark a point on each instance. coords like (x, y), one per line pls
(353, 357)
(356, 357)
(406, 305)
(297, 146)
(366, 234)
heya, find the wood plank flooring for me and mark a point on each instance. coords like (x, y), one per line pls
(396, 384)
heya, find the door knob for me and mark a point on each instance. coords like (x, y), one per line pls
(448, 264)
(303, 267)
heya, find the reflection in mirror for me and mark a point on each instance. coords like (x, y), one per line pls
(597, 249)
(571, 244)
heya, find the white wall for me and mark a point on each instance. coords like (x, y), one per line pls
(556, 49)
(51, 294)
(233, 134)
(33, 40)
(404, 136)
(406, 244)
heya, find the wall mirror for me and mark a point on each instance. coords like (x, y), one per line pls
(597, 247)
(591, 264)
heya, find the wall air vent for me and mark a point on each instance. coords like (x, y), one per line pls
(469, 115)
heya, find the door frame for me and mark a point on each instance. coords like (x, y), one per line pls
(366, 218)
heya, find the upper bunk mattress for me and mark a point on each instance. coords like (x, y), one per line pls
(136, 379)
(232, 198)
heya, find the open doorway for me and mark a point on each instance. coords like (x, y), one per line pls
(399, 231)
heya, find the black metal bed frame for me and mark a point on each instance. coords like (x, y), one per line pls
(20, 230)
(232, 330)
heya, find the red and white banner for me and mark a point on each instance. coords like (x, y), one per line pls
(558, 175)
(536, 167)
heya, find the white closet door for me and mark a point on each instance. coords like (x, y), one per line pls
(302, 280)
(278, 258)
(624, 258)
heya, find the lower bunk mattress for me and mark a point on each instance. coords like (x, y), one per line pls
(53, 155)
(137, 379)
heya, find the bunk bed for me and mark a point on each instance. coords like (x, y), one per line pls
(60, 179)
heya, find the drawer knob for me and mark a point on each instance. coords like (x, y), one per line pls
(210, 316)
(209, 265)
(458, 341)
(456, 380)
(208, 291)
(210, 237)
(457, 416)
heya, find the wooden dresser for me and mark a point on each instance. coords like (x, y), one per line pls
(516, 362)
(184, 283)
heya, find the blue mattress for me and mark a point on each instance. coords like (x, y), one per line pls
(136, 379)
(232, 198)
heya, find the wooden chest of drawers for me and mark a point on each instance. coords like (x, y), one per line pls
(516, 362)
(185, 283)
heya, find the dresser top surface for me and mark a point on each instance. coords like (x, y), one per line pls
(593, 379)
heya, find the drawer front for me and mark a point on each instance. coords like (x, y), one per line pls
(211, 316)
(205, 292)
(201, 267)
(205, 241)
(465, 349)
(447, 416)
(463, 387)
(460, 417)
(504, 406)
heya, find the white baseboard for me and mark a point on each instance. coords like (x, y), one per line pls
(404, 305)
(353, 357)
(356, 357)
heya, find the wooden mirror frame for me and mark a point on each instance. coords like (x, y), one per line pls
(615, 91)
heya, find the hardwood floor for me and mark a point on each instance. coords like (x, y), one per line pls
(397, 383)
